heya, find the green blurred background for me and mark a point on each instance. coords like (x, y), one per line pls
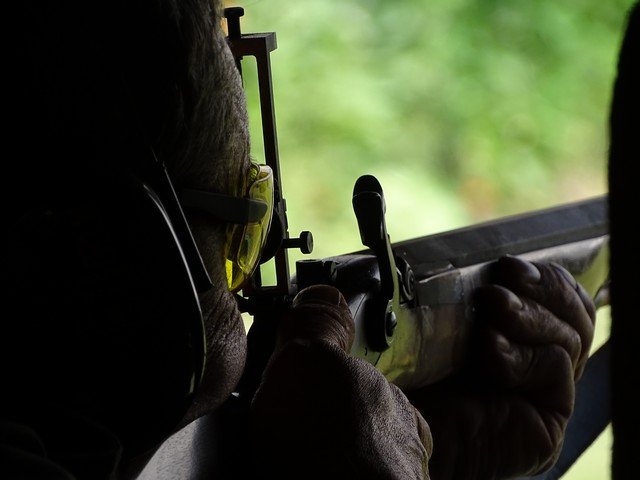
(465, 110)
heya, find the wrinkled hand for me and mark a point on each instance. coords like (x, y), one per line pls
(320, 413)
(506, 414)
(318, 313)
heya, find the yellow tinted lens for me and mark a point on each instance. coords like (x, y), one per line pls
(245, 242)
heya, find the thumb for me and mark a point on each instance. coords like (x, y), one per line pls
(319, 312)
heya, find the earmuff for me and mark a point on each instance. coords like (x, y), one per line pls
(167, 346)
(105, 316)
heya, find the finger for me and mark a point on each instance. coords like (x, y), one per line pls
(555, 288)
(582, 293)
(544, 374)
(589, 304)
(319, 312)
(524, 321)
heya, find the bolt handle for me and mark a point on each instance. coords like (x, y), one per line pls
(369, 207)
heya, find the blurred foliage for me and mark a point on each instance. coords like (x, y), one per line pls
(464, 110)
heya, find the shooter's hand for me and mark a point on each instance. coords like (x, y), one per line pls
(329, 415)
(506, 414)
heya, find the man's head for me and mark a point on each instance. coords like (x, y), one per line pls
(89, 79)
(202, 137)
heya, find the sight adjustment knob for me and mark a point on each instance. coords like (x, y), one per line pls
(304, 242)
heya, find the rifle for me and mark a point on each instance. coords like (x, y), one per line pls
(410, 300)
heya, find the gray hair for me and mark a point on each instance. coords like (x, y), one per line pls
(202, 132)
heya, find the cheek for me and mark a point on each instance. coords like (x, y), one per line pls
(226, 353)
(226, 349)
(225, 360)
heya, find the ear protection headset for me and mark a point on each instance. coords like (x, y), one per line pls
(101, 276)
(104, 281)
(168, 347)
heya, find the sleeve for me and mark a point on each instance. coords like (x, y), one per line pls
(320, 413)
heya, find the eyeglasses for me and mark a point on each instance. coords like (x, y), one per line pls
(249, 220)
